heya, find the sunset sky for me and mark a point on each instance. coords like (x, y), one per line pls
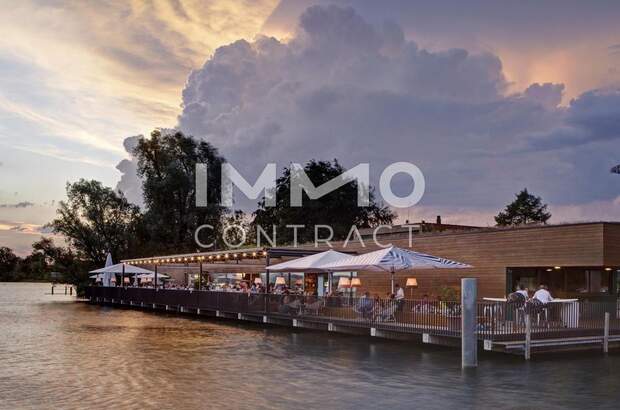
(486, 97)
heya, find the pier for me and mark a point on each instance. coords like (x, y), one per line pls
(499, 327)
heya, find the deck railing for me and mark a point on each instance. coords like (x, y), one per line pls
(497, 321)
(500, 321)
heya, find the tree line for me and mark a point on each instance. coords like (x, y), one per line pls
(95, 219)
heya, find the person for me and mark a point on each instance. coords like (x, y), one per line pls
(523, 290)
(399, 296)
(543, 295)
(365, 305)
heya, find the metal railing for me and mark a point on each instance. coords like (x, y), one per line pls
(496, 321)
(500, 321)
(409, 316)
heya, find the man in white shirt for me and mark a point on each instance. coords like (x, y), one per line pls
(543, 295)
(523, 290)
(399, 297)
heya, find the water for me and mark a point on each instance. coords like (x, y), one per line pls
(57, 353)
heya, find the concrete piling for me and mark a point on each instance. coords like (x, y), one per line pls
(469, 340)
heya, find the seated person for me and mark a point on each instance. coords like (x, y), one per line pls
(543, 295)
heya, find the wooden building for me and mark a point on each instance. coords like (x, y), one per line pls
(574, 260)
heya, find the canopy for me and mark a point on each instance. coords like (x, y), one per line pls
(118, 268)
(310, 263)
(152, 276)
(392, 259)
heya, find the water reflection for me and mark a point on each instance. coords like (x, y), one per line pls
(72, 355)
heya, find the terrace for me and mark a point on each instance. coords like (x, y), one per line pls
(500, 326)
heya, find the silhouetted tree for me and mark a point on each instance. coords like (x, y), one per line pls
(96, 220)
(525, 209)
(167, 164)
(337, 209)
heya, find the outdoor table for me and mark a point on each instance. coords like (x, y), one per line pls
(569, 310)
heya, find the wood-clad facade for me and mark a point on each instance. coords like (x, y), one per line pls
(573, 259)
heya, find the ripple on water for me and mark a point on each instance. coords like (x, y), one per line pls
(57, 353)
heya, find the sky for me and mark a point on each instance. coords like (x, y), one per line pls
(486, 97)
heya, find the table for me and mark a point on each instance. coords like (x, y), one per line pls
(569, 310)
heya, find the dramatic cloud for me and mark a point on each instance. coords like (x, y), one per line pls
(344, 88)
(592, 117)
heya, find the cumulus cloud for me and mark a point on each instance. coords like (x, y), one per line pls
(344, 88)
(592, 117)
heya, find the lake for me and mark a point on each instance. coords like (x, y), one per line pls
(59, 353)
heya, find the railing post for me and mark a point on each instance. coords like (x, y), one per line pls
(528, 336)
(606, 334)
(469, 341)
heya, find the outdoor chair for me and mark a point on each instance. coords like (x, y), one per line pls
(313, 308)
(535, 307)
(517, 302)
(386, 314)
(364, 310)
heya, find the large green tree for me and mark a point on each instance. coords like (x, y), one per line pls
(96, 220)
(166, 165)
(337, 209)
(525, 209)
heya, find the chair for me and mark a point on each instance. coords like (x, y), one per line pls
(386, 314)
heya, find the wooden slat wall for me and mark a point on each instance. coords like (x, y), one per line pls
(491, 252)
(612, 245)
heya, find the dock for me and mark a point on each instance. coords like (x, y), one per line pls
(499, 328)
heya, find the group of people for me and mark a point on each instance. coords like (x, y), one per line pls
(542, 294)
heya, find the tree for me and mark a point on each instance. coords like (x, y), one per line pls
(8, 263)
(525, 209)
(96, 220)
(167, 164)
(337, 209)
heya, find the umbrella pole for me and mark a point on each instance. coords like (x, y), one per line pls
(392, 280)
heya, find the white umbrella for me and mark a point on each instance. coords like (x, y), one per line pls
(151, 276)
(107, 276)
(310, 263)
(392, 259)
(107, 272)
(118, 268)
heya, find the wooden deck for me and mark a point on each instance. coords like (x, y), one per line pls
(422, 321)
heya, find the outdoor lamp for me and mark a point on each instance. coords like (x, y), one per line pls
(356, 282)
(280, 281)
(412, 283)
(344, 283)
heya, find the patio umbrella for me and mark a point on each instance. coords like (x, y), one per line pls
(310, 263)
(109, 271)
(392, 259)
(107, 276)
(151, 276)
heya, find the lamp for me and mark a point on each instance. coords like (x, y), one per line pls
(258, 281)
(344, 283)
(355, 283)
(412, 283)
(280, 281)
